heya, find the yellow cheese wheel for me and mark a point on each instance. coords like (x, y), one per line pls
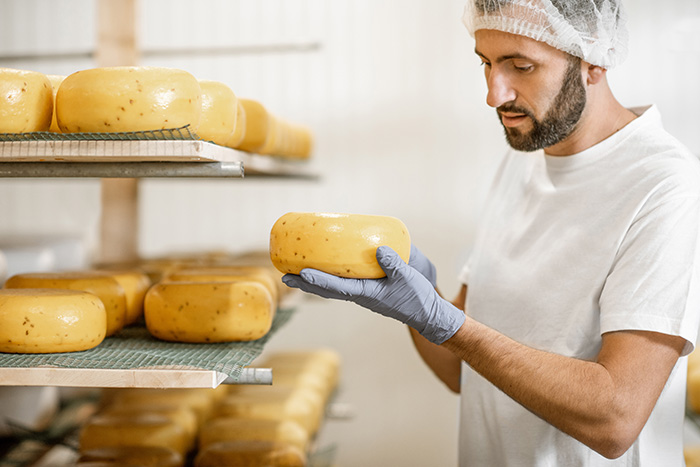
(55, 81)
(143, 456)
(26, 101)
(135, 284)
(199, 401)
(48, 321)
(112, 430)
(256, 125)
(250, 454)
(181, 414)
(340, 244)
(204, 312)
(317, 369)
(227, 274)
(219, 112)
(232, 429)
(115, 99)
(239, 130)
(301, 405)
(273, 139)
(101, 284)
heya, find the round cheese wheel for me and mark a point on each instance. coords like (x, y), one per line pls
(226, 274)
(26, 101)
(219, 112)
(299, 404)
(49, 321)
(231, 429)
(340, 244)
(257, 121)
(239, 130)
(112, 430)
(120, 99)
(135, 284)
(250, 454)
(204, 312)
(144, 456)
(199, 401)
(55, 81)
(101, 284)
(180, 414)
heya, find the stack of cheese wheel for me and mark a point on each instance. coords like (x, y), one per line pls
(126, 99)
(101, 284)
(264, 133)
(344, 245)
(152, 424)
(278, 420)
(49, 321)
(26, 101)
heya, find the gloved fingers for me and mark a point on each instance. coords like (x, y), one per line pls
(390, 262)
(422, 264)
(300, 282)
(340, 287)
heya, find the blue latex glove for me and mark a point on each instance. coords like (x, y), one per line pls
(421, 263)
(405, 294)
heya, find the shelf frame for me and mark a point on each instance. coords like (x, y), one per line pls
(129, 378)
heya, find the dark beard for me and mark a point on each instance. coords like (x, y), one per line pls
(560, 120)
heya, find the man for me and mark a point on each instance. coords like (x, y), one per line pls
(584, 282)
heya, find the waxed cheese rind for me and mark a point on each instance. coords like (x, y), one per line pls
(105, 287)
(50, 321)
(207, 312)
(340, 244)
(124, 99)
(26, 101)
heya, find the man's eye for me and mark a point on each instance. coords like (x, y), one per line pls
(524, 68)
(485, 64)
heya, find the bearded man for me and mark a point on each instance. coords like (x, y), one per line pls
(581, 297)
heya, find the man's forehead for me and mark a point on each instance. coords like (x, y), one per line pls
(493, 44)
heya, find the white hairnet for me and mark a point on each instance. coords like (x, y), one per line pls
(593, 30)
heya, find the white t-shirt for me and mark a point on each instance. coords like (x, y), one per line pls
(570, 248)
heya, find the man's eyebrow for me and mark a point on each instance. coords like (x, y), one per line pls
(503, 58)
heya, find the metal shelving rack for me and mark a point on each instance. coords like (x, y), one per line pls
(135, 159)
(139, 159)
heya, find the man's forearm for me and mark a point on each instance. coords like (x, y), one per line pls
(604, 408)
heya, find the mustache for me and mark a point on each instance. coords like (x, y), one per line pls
(512, 108)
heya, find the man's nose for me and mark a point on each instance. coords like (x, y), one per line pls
(500, 89)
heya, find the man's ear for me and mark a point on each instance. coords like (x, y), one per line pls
(594, 74)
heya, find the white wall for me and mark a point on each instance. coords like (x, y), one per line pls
(397, 103)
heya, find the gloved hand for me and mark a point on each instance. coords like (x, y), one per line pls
(421, 263)
(405, 295)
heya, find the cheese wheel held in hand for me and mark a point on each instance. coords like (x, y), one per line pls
(122, 99)
(344, 245)
(50, 321)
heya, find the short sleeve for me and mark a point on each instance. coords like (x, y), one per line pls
(654, 283)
